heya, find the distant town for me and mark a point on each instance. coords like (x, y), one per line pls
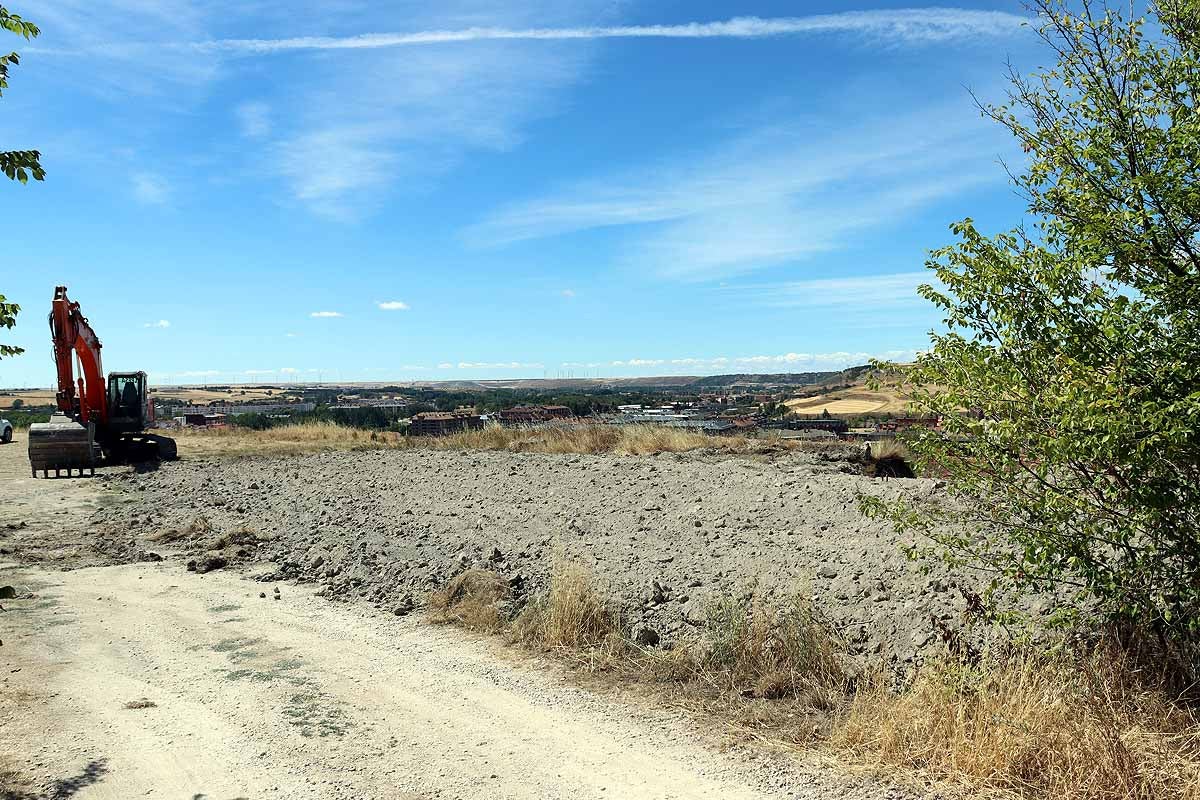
(805, 405)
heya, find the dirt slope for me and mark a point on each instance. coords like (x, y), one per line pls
(664, 534)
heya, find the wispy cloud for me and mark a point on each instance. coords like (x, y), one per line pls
(254, 119)
(489, 365)
(781, 361)
(393, 305)
(867, 292)
(499, 365)
(150, 189)
(568, 293)
(780, 193)
(921, 25)
(162, 323)
(326, 314)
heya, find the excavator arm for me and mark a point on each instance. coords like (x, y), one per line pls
(73, 337)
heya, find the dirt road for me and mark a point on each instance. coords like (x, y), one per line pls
(145, 680)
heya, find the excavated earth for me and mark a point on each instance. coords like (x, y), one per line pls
(663, 535)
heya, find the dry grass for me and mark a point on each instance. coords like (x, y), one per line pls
(200, 527)
(471, 599)
(1037, 726)
(288, 440)
(13, 784)
(771, 650)
(571, 616)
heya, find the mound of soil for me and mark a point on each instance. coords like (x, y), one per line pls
(663, 534)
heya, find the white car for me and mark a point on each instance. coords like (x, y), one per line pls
(5, 431)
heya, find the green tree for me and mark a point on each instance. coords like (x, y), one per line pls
(1068, 378)
(16, 164)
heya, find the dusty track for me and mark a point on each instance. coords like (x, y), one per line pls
(300, 698)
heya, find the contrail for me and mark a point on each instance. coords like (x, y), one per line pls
(910, 25)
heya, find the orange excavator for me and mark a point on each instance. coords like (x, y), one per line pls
(97, 420)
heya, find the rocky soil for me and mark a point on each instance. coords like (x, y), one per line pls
(663, 534)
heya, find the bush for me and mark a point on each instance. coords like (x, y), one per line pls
(1067, 380)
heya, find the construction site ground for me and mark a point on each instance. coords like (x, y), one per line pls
(129, 676)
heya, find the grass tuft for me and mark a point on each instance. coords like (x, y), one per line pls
(571, 616)
(773, 651)
(471, 599)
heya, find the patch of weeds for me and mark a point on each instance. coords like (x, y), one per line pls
(234, 645)
(279, 670)
(572, 615)
(141, 702)
(313, 714)
(224, 607)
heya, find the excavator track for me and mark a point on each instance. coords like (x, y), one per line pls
(62, 444)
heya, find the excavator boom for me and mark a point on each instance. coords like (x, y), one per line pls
(72, 336)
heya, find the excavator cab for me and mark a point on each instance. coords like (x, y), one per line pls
(128, 401)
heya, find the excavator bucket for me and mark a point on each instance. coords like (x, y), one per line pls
(62, 444)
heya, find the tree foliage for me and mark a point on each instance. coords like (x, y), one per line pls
(17, 164)
(1068, 378)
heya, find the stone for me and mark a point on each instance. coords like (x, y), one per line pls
(405, 606)
(209, 564)
(645, 636)
(827, 571)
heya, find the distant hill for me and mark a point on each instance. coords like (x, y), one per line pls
(781, 379)
(691, 382)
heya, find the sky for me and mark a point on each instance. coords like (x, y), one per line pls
(286, 190)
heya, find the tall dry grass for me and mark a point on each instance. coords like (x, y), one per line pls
(767, 649)
(286, 440)
(312, 437)
(572, 615)
(1033, 725)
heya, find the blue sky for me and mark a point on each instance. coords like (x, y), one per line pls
(271, 190)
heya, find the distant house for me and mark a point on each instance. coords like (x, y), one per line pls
(443, 423)
(532, 415)
(905, 423)
(838, 427)
(204, 420)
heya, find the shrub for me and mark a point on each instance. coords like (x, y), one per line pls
(1067, 377)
